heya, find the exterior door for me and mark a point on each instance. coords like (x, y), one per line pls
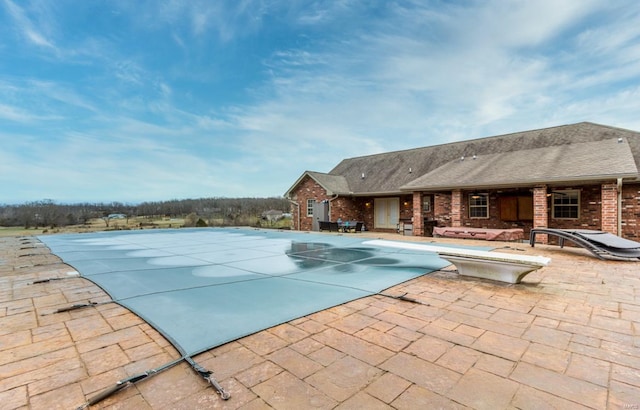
(320, 213)
(387, 213)
(516, 208)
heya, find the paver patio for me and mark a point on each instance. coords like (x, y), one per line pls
(568, 337)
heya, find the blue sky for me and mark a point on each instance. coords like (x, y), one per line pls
(135, 101)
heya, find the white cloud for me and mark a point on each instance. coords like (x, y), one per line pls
(30, 30)
(14, 114)
(472, 68)
(348, 80)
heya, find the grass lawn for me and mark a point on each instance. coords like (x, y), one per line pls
(117, 224)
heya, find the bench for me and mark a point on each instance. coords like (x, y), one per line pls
(503, 267)
(328, 226)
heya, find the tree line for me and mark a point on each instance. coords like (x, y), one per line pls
(227, 211)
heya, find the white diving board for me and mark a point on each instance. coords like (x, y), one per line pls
(504, 267)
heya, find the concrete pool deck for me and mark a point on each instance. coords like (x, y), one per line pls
(567, 337)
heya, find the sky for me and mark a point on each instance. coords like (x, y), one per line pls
(134, 101)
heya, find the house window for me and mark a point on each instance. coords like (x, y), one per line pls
(478, 205)
(566, 204)
(426, 203)
(310, 203)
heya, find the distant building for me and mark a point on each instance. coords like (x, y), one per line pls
(272, 215)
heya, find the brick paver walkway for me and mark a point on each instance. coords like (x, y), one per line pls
(567, 337)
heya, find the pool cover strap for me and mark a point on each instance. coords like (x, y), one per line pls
(208, 376)
(76, 307)
(130, 381)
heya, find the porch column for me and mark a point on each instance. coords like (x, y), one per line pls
(418, 221)
(609, 195)
(540, 211)
(456, 207)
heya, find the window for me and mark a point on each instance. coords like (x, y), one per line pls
(566, 204)
(478, 205)
(310, 203)
(426, 203)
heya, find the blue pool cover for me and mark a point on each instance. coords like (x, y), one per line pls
(205, 287)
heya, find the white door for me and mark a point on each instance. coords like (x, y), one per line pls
(387, 213)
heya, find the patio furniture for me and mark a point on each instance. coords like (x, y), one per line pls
(601, 244)
(350, 226)
(329, 226)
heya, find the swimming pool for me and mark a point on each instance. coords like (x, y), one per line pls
(205, 287)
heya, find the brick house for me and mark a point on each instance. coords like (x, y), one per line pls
(581, 175)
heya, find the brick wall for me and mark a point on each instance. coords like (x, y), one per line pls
(406, 207)
(494, 221)
(631, 212)
(540, 211)
(442, 209)
(597, 204)
(418, 218)
(609, 207)
(597, 210)
(590, 210)
(307, 189)
(346, 209)
(457, 208)
(366, 204)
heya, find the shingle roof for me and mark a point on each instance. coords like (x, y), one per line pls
(386, 173)
(333, 184)
(392, 172)
(591, 161)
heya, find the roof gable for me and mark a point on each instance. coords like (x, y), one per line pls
(333, 184)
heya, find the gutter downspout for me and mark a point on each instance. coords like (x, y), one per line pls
(619, 227)
(297, 205)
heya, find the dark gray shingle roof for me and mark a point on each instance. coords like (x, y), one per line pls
(386, 173)
(598, 160)
(333, 184)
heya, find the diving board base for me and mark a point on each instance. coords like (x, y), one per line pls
(504, 267)
(510, 272)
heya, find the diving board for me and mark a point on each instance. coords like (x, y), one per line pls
(500, 266)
